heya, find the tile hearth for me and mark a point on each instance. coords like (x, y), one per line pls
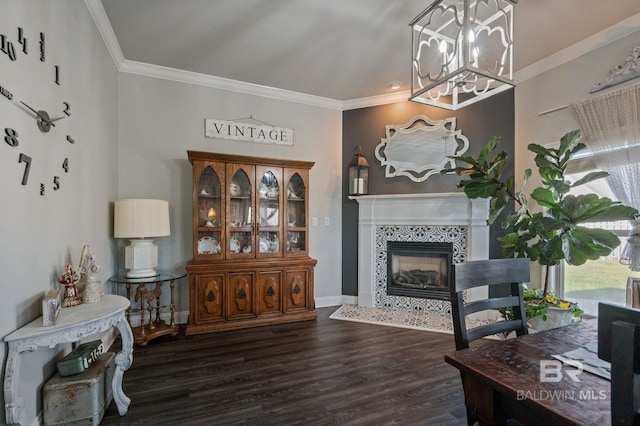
(416, 320)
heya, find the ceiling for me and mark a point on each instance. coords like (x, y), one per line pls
(335, 49)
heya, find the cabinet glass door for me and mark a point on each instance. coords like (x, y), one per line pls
(269, 211)
(240, 225)
(297, 216)
(208, 226)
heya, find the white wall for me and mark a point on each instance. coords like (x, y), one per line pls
(40, 234)
(160, 120)
(557, 87)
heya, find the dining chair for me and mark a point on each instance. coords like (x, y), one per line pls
(509, 274)
(619, 343)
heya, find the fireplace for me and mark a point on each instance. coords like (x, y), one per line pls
(419, 269)
(422, 218)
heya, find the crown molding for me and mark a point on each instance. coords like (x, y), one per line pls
(106, 30)
(371, 101)
(173, 74)
(609, 35)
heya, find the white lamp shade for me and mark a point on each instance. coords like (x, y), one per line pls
(141, 218)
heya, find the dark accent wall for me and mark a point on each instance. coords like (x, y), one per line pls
(479, 122)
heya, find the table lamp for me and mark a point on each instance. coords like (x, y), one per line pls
(141, 220)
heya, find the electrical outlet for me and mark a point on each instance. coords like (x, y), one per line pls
(314, 221)
(327, 221)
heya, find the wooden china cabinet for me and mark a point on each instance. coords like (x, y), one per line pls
(251, 263)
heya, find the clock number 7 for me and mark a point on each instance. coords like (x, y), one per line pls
(27, 160)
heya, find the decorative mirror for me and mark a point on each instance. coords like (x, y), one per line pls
(421, 147)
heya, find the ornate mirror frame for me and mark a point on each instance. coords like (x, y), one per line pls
(420, 148)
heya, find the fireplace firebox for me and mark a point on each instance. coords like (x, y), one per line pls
(419, 269)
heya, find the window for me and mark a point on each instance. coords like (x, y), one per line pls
(605, 279)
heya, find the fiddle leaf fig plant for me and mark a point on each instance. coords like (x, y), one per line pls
(556, 233)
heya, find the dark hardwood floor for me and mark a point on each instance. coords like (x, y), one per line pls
(323, 372)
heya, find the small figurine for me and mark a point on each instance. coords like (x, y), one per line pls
(89, 268)
(69, 279)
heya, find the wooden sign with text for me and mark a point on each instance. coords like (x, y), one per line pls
(241, 131)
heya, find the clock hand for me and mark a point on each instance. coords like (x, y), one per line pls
(42, 115)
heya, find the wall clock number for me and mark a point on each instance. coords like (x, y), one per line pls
(16, 44)
(41, 47)
(7, 47)
(11, 136)
(27, 160)
(22, 40)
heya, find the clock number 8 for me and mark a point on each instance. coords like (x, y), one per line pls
(11, 136)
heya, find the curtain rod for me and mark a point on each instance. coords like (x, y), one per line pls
(549, 111)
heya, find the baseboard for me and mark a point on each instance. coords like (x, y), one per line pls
(324, 302)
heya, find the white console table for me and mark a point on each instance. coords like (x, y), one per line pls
(73, 324)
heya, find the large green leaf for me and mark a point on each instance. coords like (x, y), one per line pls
(567, 140)
(599, 236)
(545, 198)
(497, 205)
(560, 186)
(497, 165)
(480, 189)
(487, 150)
(592, 208)
(579, 245)
(590, 177)
(539, 149)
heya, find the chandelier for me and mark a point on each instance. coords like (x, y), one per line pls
(462, 52)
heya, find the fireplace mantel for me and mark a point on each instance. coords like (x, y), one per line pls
(433, 209)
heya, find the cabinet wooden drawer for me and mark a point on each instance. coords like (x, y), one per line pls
(241, 300)
(269, 292)
(209, 294)
(296, 290)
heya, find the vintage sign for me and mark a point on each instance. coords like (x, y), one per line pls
(241, 131)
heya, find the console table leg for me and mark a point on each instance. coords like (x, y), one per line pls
(13, 400)
(124, 359)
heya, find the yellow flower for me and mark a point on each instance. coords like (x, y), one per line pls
(551, 299)
(565, 304)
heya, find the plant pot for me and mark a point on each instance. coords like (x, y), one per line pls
(556, 317)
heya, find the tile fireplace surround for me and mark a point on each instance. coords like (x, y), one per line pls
(437, 217)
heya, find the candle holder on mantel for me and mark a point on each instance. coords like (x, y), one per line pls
(358, 174)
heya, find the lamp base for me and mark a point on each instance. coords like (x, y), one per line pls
(140, 258)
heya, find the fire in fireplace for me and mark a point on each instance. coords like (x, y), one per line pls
(419, 269)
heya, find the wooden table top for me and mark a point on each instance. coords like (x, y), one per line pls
(512, 368)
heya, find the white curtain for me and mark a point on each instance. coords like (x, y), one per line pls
(610, 128)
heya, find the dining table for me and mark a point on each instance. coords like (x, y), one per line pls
(518, 378)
